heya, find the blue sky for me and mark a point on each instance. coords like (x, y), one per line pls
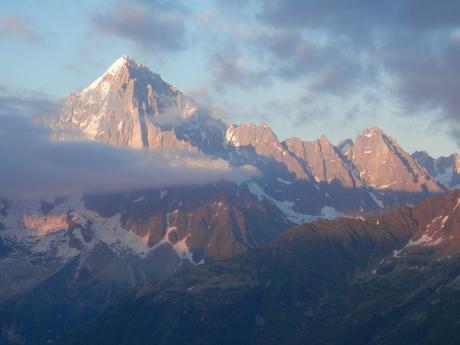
(305, 68)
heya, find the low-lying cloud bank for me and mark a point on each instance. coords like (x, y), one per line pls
(33, 165)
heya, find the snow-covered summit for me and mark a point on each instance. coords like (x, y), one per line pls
(123, 61)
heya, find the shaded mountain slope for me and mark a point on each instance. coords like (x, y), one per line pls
(346, 281)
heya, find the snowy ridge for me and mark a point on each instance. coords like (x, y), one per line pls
(111, 72)
(26, 227)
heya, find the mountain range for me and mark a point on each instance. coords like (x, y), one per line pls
(390, 279)
(214, 250)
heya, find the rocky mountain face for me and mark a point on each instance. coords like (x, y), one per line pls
(262, 142)
(445, 170)
(384, 165)
(390, 279)
(197, 224)
(324, 161)
(96, 249)
(91, 252)
(130, 106)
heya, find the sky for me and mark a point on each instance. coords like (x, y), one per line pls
(306, 68)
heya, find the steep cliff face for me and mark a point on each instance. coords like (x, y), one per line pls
(325, 162)
(263, 141)
(129, 106)
(384, 165)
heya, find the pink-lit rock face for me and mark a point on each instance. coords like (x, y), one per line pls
(384, 165)
(41, 225)
(265, 143)
(324, 161)
(126, 107)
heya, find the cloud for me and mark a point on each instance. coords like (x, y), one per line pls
(428, 79)
(170, 117)
(151, 25)
(327, 68)
(14, 26)
(360, 18)
(234, 70)
(27, 104)
(408, 48)
(35, 166)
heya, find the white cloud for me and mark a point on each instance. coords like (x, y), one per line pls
(35, 166)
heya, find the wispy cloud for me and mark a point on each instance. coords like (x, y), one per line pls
(151, 25)
(27, 104)
(409, 48)
(296, 57)
(15, 26)
(234, 70)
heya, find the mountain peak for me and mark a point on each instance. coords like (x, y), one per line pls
(123, 61)
(371, 131)
(323, 139)
(384, 165)
(130, 106)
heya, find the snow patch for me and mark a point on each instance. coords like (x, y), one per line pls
(104, 81)
(180, 247)
(384, 186)
(426, 240)
(457, 205)
(231, 138)
(28, 228)
(138, 200)
(443, 222)
(286, 207)
(376, 200)
(279, 179)
(330, 212)
(111, 232)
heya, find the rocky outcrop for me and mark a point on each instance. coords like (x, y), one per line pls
(325, 162)
(384, 165)
(263, 141)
